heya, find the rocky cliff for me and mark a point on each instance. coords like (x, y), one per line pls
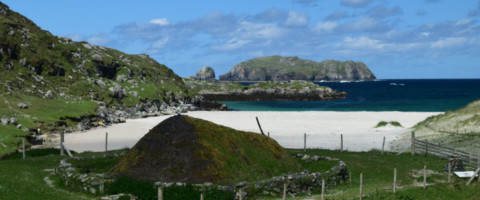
(277, 68)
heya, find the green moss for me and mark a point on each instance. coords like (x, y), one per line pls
(241, 155)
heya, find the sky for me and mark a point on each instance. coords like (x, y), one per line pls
(396, 39)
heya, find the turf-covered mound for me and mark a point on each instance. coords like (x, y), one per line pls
(186, 149)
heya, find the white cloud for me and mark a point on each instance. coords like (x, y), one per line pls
(160, 43)
(448, 42)
(296, 19)
(362, 42)
(231, 45)
(162, 21)
(259, 30)
(325, 27)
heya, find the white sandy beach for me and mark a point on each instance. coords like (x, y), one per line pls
(323, 128)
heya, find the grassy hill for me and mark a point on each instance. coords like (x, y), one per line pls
(60, 80)
(192, 150)
(458, 129)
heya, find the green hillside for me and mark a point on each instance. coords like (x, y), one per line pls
(60, 81)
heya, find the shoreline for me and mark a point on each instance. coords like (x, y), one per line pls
(323, 129)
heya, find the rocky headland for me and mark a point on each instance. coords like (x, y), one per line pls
(264, 91)
(277, 68)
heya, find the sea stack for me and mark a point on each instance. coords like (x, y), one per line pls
(205, 74)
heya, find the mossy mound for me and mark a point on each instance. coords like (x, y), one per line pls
(186, 149)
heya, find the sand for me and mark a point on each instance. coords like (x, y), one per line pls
(323, 129)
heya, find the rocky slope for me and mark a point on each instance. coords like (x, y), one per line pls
(277, 68)
(264, 91)
(48, 81)
(190, 150)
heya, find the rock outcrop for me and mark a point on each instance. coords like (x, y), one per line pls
(205, 74)
(265, 91)
(277, 68)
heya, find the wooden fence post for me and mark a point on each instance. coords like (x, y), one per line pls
(473, 176)
(449, 172)
(268, 134)
(304, 142)
(323, 190)
(240, 194)
(470, 159)
(341, 142)
(361, 186)
(383, 144)
(23, 148)
(62, 138)
(394, 180)
(413, 143)
(259, 126)
(284, 197)
(160, 192)
(106, 143)
(425, 177)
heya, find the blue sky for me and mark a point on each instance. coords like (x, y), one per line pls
(396, 39)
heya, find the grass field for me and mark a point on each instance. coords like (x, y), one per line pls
(25, 179)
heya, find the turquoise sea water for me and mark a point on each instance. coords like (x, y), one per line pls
(430, 95)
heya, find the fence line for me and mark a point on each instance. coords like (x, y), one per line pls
(426, 148)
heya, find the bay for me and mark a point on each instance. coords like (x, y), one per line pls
(418, 95)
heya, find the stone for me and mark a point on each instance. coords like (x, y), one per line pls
(205, 74)
(49, 94)
(100, 83)
(133, 93)
(22, 105)
(305, 157)
(121, 78)
(8, 66)
(5, 120)
(13, 121)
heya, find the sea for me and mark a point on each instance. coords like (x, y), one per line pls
(412, 95)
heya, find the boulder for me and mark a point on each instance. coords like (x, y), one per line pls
(8, 66)
(100, 83)
(118, 91)
(49, 94)
(205, 74)
(121, 78)
(13, 121)
(22, 105)
(5, 120)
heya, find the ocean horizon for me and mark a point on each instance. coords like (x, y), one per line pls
(407, 95)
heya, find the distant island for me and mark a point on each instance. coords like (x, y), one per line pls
(278, 68)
